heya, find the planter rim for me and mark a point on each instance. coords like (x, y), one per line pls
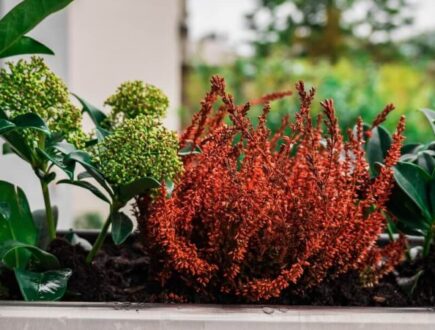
(210, 307)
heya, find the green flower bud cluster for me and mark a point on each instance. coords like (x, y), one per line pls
(138, 148)
(134, 98)
(30, 86)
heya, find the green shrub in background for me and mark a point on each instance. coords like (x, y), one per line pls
(359, 87)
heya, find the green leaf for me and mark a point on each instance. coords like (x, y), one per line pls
(16, 221)
(19, 145)
(6, 126)
(377, 146)
(426, 161)
(88, 186)
(122, 227)
(24, 17)
(47, 286)
(7, 149)
(31, 120)
(97, 116)
(40, 220)
(41, 258)
(413, 181)
(26, 45)
(430, 115)
(84, 159)
(137, 187)
(58, 161)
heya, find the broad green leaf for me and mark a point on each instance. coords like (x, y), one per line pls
(137, 187)
(6, 126)
(24, 17)
(31, 120)
(19, 145)
(26, 45)
(41, 258)
(432, 195)
(426, 161)
(430, 115)
(414, 182)
(17, 223)
(88, 186)
(47, 286)
(122, 227)
(411, 148)
(377, 146)
(40, 220)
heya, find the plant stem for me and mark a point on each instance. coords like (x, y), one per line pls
(427, 243)
(101, 237)
(48, 210)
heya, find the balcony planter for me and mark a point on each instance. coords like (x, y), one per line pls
(84, 315)
(71, 316)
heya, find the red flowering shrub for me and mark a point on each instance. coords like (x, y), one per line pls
(253, 213)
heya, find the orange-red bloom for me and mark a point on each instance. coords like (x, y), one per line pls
(254, 213)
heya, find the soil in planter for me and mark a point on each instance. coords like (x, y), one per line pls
(121, 274)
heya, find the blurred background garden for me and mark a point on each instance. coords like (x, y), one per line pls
(362, 53)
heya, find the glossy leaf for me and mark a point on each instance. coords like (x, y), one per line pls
(40, 220)
(26, 45)
(19, 145)
(430, 115)
(16, 223)
(84, 159)
(7, 149)
(426, 161)
(31, 120)
(40, 257)
(6, 126)
(88, 186)
(47, 286)
(414, 182)
(58, 161)
(122, 227)
(377, 146)
(97, 116)
(24, 17)
(137, 187)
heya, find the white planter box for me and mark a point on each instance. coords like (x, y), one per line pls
(103, 316)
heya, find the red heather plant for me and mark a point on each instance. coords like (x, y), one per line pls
(251, 218)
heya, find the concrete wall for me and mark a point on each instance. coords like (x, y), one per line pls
(98, 45)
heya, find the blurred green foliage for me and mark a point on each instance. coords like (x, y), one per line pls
(359, 87)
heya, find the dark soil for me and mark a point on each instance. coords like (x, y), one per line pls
(121, 274)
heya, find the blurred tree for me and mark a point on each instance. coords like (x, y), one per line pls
(327, 28)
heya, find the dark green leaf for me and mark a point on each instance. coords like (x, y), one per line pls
(88, 186)
(31, 120)
(40, 220)
(7, 149)
(377, 146)
(47, 286)
(26, 45)
(137, 187)
(84, 175)
(58, 161)
(24, 17)
(426, 161)
(16, 224)
(122, 227)
(430, 115)
(414, 182)
(19, 145)
(42, 259)
(84, 159)
(6, 126)
(97, 116)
